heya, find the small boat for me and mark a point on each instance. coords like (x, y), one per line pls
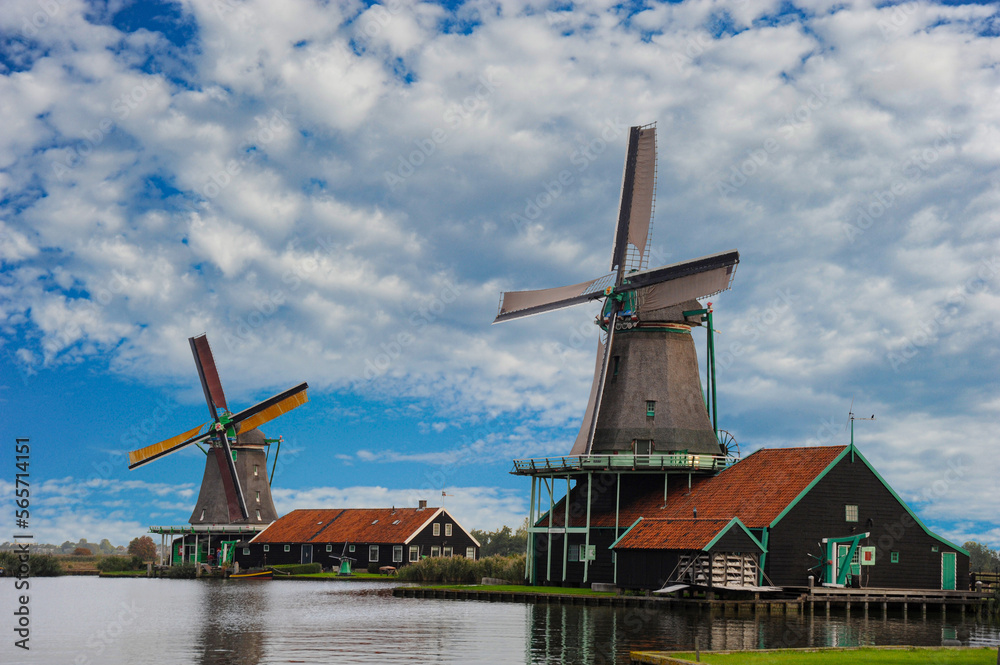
(253, 575)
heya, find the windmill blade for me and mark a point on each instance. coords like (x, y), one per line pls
(636, 207)
(688, 280)
(518, 304)
(580, 445)
(156, 450)
(208, 374)
(271, 408)
(612, 319)
(230, 479)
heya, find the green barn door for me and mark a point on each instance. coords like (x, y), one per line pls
(948, 571)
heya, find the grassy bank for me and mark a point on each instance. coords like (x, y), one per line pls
(873, 655)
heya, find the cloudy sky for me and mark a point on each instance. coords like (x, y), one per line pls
(337, 192)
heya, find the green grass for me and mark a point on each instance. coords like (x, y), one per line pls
(124, 573)
(520, 588)
(905, 656)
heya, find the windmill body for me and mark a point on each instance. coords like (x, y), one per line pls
(235, 495)
(647, 393)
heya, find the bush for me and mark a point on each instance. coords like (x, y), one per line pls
(111, 564)
(459, 570)
(373, 567)
(299, 568)
(184, 571)
(42, 565)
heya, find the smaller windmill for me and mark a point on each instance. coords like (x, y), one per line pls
(346, 562)
(235, 468)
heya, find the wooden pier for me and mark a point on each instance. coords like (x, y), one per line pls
(794, 601)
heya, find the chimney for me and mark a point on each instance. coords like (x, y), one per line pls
(421, 504)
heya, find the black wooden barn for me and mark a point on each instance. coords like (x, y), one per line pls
(791, 512)
(381, 536)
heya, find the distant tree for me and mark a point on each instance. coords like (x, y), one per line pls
(67, 547)
(502, 542)
(981, 557)
(82, 551)
(106, 547)
(143, 548)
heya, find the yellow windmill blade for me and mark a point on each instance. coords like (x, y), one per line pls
(143, 455)
(271, 408)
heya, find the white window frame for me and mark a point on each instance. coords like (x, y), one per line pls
(437, 529)
(397, 554)
(414, 553)
(246, 551)
(435, 550)
(851, 512)
(288, 548)
(329, 547)
(447, 530)
(448, 551)
(267, 548)
(372, 549)
(470, 553)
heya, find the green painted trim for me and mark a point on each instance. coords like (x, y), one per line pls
(735, 521)
(912, 514)
(808, 488)
(612, 545)
(763, 557)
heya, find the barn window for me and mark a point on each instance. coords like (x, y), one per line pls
(447, 552)
(288, 548)
(435, 550)
(350, 548)
(373, 553)
(246, 551)
(329, 548)
(267, 548)
(574, 552)
(470, 552)
(851, 512)
(414, 553)
(397, 553)
(650, 408)
(894, 557)
(447, 529)
(437, 529)
(934, 548)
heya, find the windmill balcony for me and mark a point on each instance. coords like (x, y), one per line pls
(657, 462)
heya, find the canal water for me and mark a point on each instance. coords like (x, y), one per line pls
(82, 620)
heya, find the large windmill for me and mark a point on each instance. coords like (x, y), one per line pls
(235, 487)
(652, 400)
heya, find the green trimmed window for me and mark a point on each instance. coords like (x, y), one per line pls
(650, 408)
(267, 548)
(934, 548)
(894, 557)
(288, 548)
(329, 548)
(851, 512)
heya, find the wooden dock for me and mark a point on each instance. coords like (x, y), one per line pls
(794, 601)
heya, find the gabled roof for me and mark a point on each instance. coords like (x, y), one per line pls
(659, 534)
(756, 490)
(344, 525)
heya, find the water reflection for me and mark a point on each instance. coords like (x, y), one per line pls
(215, 622)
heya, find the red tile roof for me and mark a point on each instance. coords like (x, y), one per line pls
(342, 525)
(756, 490)
(682, 534)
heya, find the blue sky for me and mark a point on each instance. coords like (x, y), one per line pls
(338, 192)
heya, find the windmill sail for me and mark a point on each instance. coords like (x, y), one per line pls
(517, 304)
(580, 445)
(636, 207)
